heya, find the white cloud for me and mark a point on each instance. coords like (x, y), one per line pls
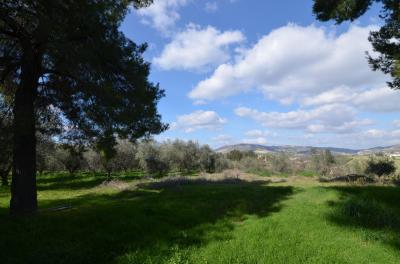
(257, 140)
(211, 7)
(375, 133)
(255, 133)
(396, 123)
(333, 118)
(377, 137)
(199, 120)
(162, 14)
(374, 100)
(292, 63)
(378, 100)
(197, 48)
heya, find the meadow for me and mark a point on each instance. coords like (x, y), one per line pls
(136, 220)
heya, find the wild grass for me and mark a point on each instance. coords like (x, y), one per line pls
(203, 222)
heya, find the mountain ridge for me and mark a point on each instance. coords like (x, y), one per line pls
(305, 149)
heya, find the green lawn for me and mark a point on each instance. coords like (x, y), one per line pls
(204, 223)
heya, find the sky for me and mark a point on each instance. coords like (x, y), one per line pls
(265, 72)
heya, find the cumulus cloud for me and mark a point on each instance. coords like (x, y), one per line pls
(255, 133)
(380, 99)
(293, 62)
(199, 120)
(374, 137)
(257, 140)
(162, 14)
(197, 48)
(328, 118)
(381, 137)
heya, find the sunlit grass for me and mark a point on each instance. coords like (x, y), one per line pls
(300, 222)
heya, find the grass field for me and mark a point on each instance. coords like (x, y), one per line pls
(300, 221)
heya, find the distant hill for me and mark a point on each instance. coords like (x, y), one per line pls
(389, 150)
(305, 150)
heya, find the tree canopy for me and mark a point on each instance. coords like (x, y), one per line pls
(85, 66)
(385, 41)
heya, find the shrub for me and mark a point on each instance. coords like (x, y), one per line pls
(235, 155)
(322, 161)
(380, 166)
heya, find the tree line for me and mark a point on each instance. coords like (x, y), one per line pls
(152, 158)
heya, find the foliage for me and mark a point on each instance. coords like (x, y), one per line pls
(87, 68)
(235, 155)
(151, 159)
(385, 41)
(280, 163)
(72, 57)
(322, 161)
(380, 165)
(71, 156)
(44, 149)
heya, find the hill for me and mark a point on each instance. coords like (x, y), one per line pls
(305, 150)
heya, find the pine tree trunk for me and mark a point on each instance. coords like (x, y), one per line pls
(23, 185)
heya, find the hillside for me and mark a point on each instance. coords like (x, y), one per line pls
(305, 149)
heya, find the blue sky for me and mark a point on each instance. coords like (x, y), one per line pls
(265, 72)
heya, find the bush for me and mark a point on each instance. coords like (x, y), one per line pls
(380, 166)
(322, 161)
(280, 163)
(235, 155)
(156, 167)
(71, 157)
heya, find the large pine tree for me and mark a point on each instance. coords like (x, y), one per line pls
(69, 55)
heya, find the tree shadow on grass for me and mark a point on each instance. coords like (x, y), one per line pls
(374, 209)
(136, 226)
(77, 182)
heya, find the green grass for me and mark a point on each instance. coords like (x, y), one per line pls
(267, 173)
(308, 174)
(260, 172)
(204, 223)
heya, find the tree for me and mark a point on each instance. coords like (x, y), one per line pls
(149, 157)
(380, 165)
(126, 156)
(385, 41)
(322, 161)
(280, 163)
(235, 154)
(71, 156)
(71, 56)
(93, 161)
(45, 148)
(207, 159)
(106, 147)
